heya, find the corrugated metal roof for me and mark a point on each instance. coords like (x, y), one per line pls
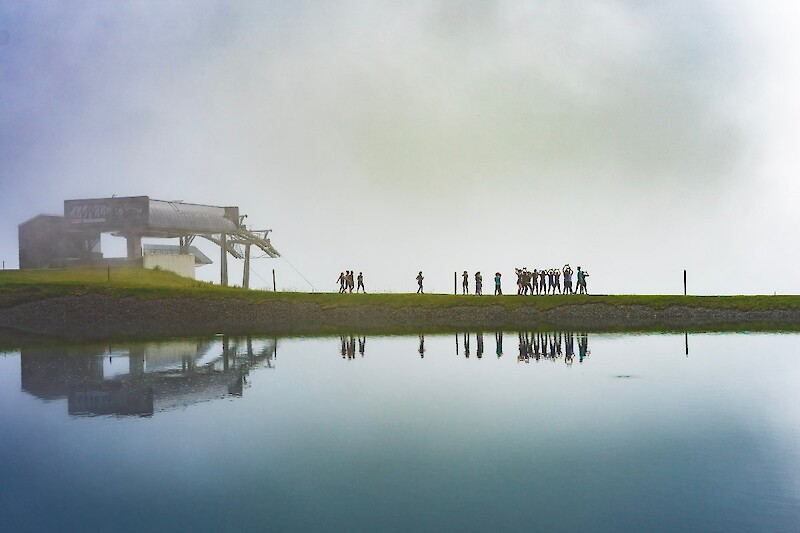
(170, 249)
(188, 218)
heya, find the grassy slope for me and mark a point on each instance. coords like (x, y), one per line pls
(24, 286)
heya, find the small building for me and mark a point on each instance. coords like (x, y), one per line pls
(73, 240)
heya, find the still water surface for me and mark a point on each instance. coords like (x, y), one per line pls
(468, 432)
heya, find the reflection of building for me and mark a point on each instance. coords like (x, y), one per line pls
(159, 376)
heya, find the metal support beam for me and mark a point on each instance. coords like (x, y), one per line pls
(223, 260)
(246, 273)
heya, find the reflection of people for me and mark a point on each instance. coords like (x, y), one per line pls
(583, 346)
(419, 282)
(351, 348)
(344, 346)
(466, 345)
(498, 339)
(421, 345)
(362, 343)
(479, 337)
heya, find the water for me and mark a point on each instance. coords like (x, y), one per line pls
(410, 435)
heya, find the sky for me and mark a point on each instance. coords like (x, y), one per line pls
(633, 138)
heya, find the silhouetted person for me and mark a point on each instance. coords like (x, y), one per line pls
(350, 282)
(465, 283)
(478, 283)
(582, 281)
(498, 289)
(557, 274)
(341, 281)
(361, 283)
(419, 282)
(543, 281)
(568, 280)
(535, 281)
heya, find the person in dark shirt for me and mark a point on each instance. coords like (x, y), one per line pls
(419, 282)
(341, 282)
(465, 283)
(361, 283)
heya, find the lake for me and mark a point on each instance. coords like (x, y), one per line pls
(470, 432)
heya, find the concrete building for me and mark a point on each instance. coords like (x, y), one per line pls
(73, 240)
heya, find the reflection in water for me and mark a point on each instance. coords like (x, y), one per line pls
(551, 346)
(158, 376)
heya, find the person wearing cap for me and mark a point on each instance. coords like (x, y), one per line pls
(498, 289)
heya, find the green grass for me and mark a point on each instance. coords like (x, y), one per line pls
(18, 287)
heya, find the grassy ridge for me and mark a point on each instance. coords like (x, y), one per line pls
(18, 287)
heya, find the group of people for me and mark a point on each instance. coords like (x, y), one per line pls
(498, 289)
(548, 281)
(347, 283)
(544, 281)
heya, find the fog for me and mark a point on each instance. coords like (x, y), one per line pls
(635, 139)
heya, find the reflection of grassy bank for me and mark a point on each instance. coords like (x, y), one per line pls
(18, 287)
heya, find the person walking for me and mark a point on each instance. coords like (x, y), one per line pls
(498, 289)
(350, 282)
(478, 283)
(341, 282)
(419, 282)
(465, 283)
(361, 283)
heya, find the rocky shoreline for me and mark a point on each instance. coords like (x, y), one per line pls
(94, 316)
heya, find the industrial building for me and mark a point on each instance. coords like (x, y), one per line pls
(73, 240)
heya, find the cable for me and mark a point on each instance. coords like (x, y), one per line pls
(313, 288)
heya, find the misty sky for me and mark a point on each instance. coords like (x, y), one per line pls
(633, 138)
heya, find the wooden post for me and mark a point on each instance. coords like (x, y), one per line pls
(108, 274)
(684, 282)
(274, 289)
(455, 283)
